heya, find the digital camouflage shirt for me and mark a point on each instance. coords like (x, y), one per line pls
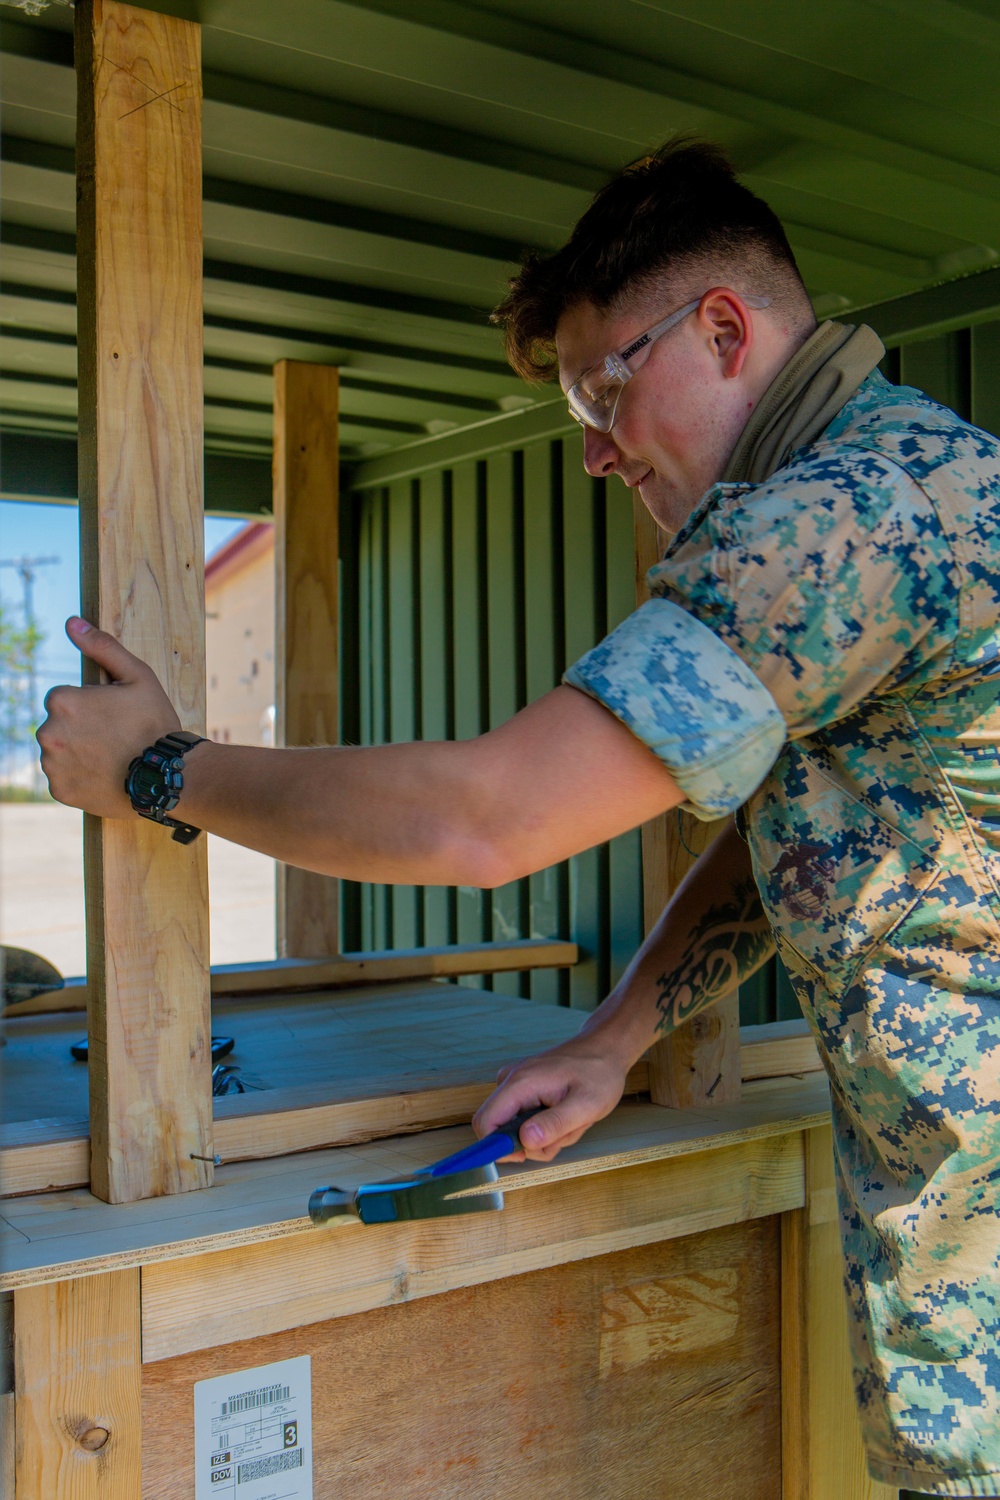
(824, 650)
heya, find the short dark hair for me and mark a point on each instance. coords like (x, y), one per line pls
(660, 219)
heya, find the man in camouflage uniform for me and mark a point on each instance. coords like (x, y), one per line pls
(820, 657)
(860, 585)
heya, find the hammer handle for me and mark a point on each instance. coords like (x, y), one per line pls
(498, 1143)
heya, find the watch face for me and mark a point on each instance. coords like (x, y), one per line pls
(146, 783)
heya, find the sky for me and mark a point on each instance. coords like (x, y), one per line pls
(31, 529)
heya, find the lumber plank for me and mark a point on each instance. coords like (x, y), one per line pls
(379, 966)
(306, 557)
(822, 1453)
(700, 1062)
(78, 1389)
(58, 1235)
(385, 967)
(141, 512)
(254, 1290)
(778, 1049)
(647, 1372)
(43, 1155)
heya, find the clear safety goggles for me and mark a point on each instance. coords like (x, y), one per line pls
(593, 399)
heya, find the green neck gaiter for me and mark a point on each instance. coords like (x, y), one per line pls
(804, 398)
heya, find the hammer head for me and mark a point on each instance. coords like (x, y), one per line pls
(403, 1198)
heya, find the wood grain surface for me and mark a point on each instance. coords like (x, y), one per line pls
(306, 665)
(822, 1453)
(141, 520)
(699, 1063)
(259, 1289)
(53, 1236)
(330, 1077)
(77, 1378)
(650, 1372)
(282, 976)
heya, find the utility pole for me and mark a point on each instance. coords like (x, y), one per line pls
(26, 568)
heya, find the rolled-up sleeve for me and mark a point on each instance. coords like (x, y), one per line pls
(687, 695)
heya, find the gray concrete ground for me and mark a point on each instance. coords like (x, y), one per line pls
(41, 889)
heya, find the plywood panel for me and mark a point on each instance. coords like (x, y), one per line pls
(604, 1378)
(382, 1035)
(306, 498)
(53, 1236)
(141, 519)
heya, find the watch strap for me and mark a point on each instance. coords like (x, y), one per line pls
(174, 746)
(178, 742)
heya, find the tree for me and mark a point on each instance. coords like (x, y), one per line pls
(18, 650)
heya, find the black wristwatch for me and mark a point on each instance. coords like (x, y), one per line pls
(155, 781)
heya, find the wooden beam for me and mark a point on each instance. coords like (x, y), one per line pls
(822, 1453)
(43, 1156)
(139, 187)
(306, 667)
(699, 1063)
(77, 1361)
(283, 976)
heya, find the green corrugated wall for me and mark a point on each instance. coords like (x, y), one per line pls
(471, 588)
(467, 590)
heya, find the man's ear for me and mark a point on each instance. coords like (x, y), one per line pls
(727, 320)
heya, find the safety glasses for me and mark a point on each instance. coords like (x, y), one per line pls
(593, 399)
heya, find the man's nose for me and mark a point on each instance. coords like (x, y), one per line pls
(600, 453)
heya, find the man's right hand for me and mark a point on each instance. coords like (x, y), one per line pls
(577, 1082)
(714, 914)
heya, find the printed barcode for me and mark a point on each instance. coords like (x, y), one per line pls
(247, 1400)
(263, 1468)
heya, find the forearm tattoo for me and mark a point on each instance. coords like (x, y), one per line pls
(726, 945)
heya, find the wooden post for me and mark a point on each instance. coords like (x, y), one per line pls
(822, 1457)
(306, 494)
(141, 523)
(77, 1367)
(700, 1063)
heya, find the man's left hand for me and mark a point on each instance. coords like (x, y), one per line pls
(92, 734)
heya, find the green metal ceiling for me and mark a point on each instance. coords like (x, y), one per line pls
(373, 169)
